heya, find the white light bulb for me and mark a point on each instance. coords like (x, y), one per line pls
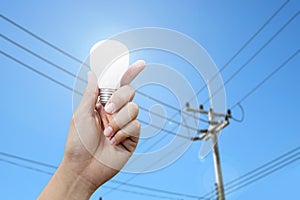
(109, 60)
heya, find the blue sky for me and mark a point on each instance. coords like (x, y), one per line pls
(35, 112)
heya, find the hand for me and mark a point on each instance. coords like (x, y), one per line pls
(100, 140)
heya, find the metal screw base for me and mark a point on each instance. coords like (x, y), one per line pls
(105, 94)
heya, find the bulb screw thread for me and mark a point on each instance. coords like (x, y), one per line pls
(105, 94)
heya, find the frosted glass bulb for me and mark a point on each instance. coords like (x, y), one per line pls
(109, 60)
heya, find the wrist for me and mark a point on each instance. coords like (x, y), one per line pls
(66, 184)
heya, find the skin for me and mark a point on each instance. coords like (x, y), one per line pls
(100, 141)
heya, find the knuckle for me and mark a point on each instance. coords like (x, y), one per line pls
(129, 91)
(133, 106)
(114, 124)
(128, 88)
(123, 95)
(137, 125)
(133, 109)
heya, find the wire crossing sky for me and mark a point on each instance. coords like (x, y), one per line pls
(250, 177)
(35, 113)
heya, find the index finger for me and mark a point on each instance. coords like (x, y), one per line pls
(132, 72)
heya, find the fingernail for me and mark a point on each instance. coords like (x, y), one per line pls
(108, 131)
(113, 141)
(109, 108)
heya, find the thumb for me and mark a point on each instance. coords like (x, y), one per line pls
(90, 95)
(132, 72)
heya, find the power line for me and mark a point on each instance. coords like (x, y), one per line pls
(26, 167)
(260, 84)
(265, 168)
(168, 119)
(158, 190)
(165, 130)
(40, 73)
(143, 194)
(41, 58)
(28, 160)
(270, 167)
(242, 113)
(254, 55)
(79, 93)
(42, 40)
(113, 181)
(80, 61)
(104, 186)
(170, 106)
(244, 46)
(259, 174)
(264, 175)
(264, 165)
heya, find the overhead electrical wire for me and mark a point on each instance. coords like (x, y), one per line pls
(254, 55)
(144, 194)
(26, 167)
(41, 39)
(264, 175)
(261, 83)
(104, 186)
(31, 161)
(39, 72)
(42, 58)
(260, 172)
(234, 185)
(275, 160)
(269, 76)
(244, 46)
(242, 114)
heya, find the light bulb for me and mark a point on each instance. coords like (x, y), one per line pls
(109, 60)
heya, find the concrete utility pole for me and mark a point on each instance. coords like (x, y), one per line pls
(211, 133)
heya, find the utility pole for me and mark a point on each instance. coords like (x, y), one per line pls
(211, 133)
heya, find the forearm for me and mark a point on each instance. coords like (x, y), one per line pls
(67, 185)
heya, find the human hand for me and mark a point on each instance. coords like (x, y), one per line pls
(100, 140)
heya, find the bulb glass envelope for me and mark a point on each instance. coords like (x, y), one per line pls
(109, 60)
